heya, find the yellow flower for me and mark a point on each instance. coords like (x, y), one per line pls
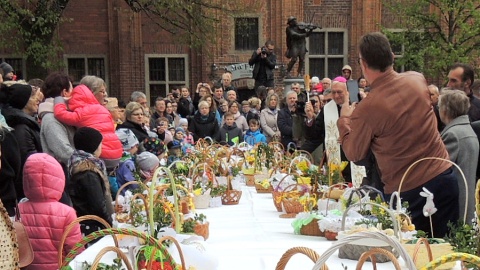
(197, 192)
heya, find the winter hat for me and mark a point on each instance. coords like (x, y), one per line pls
(19, 94)
(87, 139)
(173, 145)
(182, 121)
(147, 161)
(6, 68)
(347, 67)
(179, 129)
(152, 145)
(127, 138)
(315, 79)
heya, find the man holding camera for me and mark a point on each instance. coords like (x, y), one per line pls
(264, 61)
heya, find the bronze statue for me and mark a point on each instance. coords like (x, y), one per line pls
(296, 43)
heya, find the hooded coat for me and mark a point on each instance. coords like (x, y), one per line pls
(85, 111)
(45, 218)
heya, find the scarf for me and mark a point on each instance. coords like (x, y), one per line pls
(80, 155)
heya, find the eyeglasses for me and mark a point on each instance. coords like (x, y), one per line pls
(138, 114)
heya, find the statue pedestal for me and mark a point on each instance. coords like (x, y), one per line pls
(288, 84)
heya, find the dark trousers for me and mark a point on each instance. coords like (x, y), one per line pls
(445, 190)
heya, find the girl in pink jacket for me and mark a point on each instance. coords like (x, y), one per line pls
(44, 217)
(84, 110)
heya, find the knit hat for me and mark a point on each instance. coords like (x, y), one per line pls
(179, 129)
(182, 121)
(6, 68)
(153, 145)
(147, 161)
(19, 94)
(315, 79)
(347, 67)
(173, 145)
(127, 138)
(87, 139)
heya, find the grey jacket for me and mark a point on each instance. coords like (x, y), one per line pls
(268, 122)
(462, 146)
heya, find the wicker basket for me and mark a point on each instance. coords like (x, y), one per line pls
(260, 189)
(362, 236)
(373, 254)
(120, 255)
(422, 256)
(354, 251)
(291, 206)
(249, 179)
(310, 253)
(277, 194)
(202, 230)
(312, 229)
(202, 201)
(231, 196)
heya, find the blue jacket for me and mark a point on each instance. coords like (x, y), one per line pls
(253, 138)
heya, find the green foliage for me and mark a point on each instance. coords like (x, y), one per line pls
(218, 190)
(117, 265)
(463, 237)
(28, 28)
(435, 34)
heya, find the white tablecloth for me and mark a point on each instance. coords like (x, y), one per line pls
(252, 236)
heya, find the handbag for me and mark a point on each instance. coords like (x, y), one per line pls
(25, 249)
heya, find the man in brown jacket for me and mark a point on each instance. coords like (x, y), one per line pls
(400, 130)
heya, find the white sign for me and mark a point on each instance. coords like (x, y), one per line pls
(240, 71)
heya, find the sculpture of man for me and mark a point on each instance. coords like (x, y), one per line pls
(296, 44)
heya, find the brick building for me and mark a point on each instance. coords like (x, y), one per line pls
(106, 38)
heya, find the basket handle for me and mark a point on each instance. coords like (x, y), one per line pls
(74, 224)
(177, 245)
(299, 157)
(417, 248)
(122, 187)
(457, 256)
(120, 254)
(310, 253)
(374, 251)
(441, 159)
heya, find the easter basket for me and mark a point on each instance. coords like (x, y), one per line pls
(231, 196)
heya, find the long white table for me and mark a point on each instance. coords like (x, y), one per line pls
(252, 236)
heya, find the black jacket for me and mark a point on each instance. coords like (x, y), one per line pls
(285, 124)
(10, 174)
(202, 128)
(185, 107)
(267, 63)
(137, 129)
(226, 134)
(87, 191)
(27, 132)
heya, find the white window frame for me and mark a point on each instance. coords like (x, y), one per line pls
(86, 57)
(326, 56)
(167, 83)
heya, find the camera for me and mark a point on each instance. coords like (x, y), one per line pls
(264, 50)
(300, 107)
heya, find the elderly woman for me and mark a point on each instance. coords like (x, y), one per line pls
(204, 124)
(268, 118)
(86, 109)
(462, 144)
(22, 106)
(134, 120)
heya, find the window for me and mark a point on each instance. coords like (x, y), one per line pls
(246, 34)
(165, 72)
(402, 42)
(77, 67)
(18, 65)
(327, 53)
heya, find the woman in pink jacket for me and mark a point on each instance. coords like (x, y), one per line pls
(85, 110)
(44, 217)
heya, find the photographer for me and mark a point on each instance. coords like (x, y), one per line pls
(264, 61)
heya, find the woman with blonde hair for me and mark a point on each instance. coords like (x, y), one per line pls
(268, 118)
(134, 120)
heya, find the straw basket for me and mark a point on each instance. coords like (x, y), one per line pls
(310, 253)
(369, 236)
(260, 189)
(312, 229)
(422, 256)
(249, 179)
(202, 230)
(231, 196)
(354, 251)
(120, 255)
(291, 206)
(277, 194)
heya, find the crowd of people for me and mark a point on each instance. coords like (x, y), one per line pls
(74, 146)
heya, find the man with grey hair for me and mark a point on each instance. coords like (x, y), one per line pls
(285, 118)
(139, 97)
(434, 94)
